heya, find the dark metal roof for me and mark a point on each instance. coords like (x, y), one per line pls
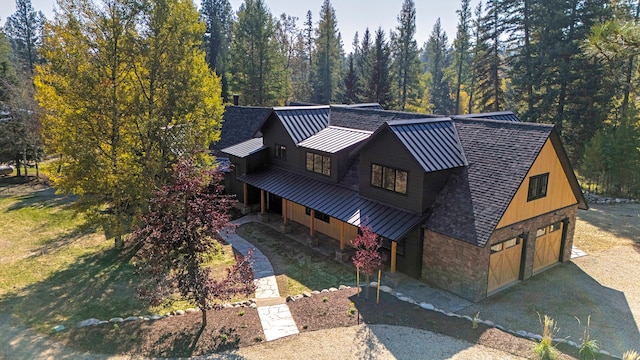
(433, 143)
(370, 120)
(475, 197)
(245, 148)
(301, 122)
(240, 123)
(338, 202)
(334, 139)
(371, 106)
(498, 115)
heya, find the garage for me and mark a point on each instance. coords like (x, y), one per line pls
(504, 264)
(548, 245)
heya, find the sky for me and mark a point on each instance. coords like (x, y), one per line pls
(353, 15)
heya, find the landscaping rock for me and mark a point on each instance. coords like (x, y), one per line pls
(342, 287)
(315, 292)
(521, 333)
(373, 284)
(405, 299)
(290, 298)
(253, 306)
(333, 289)
(324, 291)
(225, 306)
(101, 322)
(385, 289)
(58, 328)
(116, 320)
(190, 310)
(156, 317)
(298, 297)
(489, 323)
(306, 294)
(88, 322)
(131, 318)
(427, 306)
(179, 312)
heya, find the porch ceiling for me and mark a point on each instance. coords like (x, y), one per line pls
(338, 202)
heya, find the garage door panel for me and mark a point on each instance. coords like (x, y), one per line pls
(504, 267)
(547, 249)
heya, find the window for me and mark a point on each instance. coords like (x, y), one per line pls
(319, 163)
(318, 215)
(541, 232)
(505, 245)
(237, 170)
(281, 151)
(538, 186)
(554, 227)
(389, 178)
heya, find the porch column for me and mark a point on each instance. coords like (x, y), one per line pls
(245, 195)
(262, 204)
(342, 235)
(394, 246)
(285, 212)
(312, 216)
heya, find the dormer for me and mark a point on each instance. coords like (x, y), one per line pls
(407, 162)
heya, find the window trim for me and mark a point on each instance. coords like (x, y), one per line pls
(318, 215)
(536, 190)
(501, 246)
(321, 167)
(381, 181)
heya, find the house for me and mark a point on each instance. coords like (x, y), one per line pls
(471, 203)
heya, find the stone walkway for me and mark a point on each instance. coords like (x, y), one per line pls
(275, 317)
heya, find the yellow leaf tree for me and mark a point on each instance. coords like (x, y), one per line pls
(126, 90)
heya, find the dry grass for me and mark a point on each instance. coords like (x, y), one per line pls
(605, 226)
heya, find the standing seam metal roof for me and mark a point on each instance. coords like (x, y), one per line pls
(245, 148)
(303, 122)
(334, 139)
(338, 202)
(433, 143)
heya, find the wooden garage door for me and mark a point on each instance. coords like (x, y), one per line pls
(548, 243)
(504, 264)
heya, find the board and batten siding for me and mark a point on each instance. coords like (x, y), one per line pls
(559, 192)
(297, 213)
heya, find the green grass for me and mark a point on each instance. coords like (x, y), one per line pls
(305, 269)
(55, 269)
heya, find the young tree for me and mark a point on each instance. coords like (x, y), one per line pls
(256, 66)
(218, 15)
(327, 57)
(24, 29)
(125, 90)
(178, 234)
(438, 60)
(404, 48)
(367, 258)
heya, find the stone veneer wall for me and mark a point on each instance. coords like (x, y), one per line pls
(462, 268)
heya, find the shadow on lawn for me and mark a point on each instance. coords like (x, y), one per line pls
(622, 220)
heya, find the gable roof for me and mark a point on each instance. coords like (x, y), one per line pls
(368, 119)
(498, 115)
(371, 106)
(334, 139)
(433, 143)
(500, 154)
(301, 122)
(245, 148)
(240, 123)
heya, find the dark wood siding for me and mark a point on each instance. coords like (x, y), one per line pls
(410, 262)
(386, 150)
(273, 132)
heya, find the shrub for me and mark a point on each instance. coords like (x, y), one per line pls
(545, 349)
(631, 355)
(589, 348)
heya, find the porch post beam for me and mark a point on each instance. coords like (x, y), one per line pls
(312, 216)
(245, 194)
(342, 235)
(394, 249)
(285, 212)
(262, 202)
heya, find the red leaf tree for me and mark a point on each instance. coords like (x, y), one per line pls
(367, 258)
(179, 232)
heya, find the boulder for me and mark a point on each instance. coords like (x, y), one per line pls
(88, 322)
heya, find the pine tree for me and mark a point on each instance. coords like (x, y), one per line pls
(490, 61)
(256, 66)
(380, 80)
(24, 29)
(406, 61)
(364, 66)
(436, 49)
(327, 57)
(351, 81)
(218, 15)
(462, 46)
(479, 47)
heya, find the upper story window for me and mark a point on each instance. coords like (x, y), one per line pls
(389, 178)
(319, 163)
(538, 186)
(281, 151)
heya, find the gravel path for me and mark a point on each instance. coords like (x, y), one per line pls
(357, 342)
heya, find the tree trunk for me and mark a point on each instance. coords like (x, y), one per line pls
(118, 242)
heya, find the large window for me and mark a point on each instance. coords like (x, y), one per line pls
(389, 178)
(319, 163)
(281, 151)
(538, 186)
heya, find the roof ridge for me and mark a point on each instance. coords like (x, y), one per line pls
(513, 123)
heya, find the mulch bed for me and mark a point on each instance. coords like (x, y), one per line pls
(227, 329)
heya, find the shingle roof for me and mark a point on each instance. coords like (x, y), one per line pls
(245, 148)
(498, 115)
(334, 139)
(500, 154)
(367, 119)
(371, 106)
(240, 123)
(336, 201)
(433, 143)
(301, 122)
